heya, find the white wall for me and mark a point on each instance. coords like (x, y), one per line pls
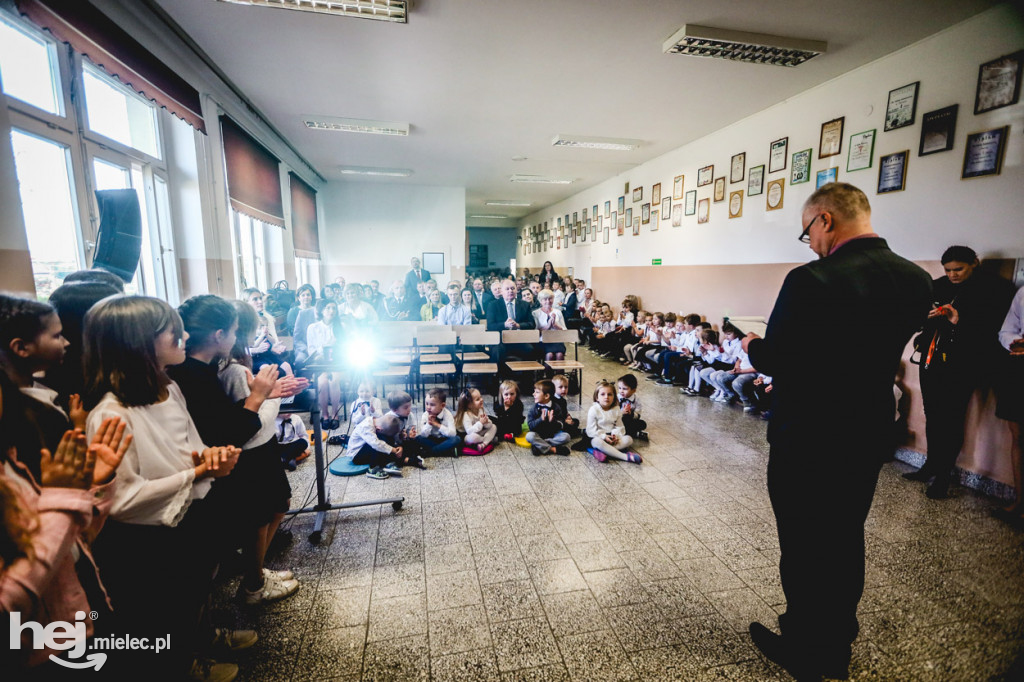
(371, 230)
(936, 209)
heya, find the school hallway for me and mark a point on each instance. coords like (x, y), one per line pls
(515, 567)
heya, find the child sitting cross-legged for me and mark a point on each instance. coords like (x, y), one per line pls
(629, 404)
(369, 444)
(571, 424)
(366, 404)
(605, 428)
(508, 411)
(472, 420)
(546, 422)
(437, 434)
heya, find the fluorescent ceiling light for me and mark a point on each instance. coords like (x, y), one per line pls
(491, 217)
(757, 48)
(369, 170)
(580, 142)
(541, 179)
(356, 125)
(503, 202)
(396, 11)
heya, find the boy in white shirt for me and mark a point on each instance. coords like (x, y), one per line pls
(369, 444)
(437, 436)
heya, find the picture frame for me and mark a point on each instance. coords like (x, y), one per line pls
(831, 141)
(593, 211)
(755, 181)
(607, 236)
(608, 208)
(656, 194)
(629, 215)
(704, 176)
(998, 83)
(584, 214)
(638, 194)
(677, 188)
(901, 108)
(600, 223)
(576, 217)
(622, 205)
(567, 220)
(862, 149)
(719, 189)
(666, 208)
(565, 242)
(778, 155)
(737, 167)
(938, 129)
(775, 194)
(655, 220)
(614, 224)
(433, 261)
(983, 153)
(677, 215)
(645, 212)
(573, 233)
(592, 228)
(801, 169)
(621, 226)
(825, 176)
(892, 172)
(636, 226)
(691, 202)
(736, 204)
(703, 211)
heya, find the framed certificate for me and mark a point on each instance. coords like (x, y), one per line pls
(691, 202)
(901, 107)
(777, 155)
(666, 208)
(720, 189)
(937, 130)
(636, 226)
(774, 195)
(656, 194)
(629, 216)
(677, 215)
(755, 181)
(677, 188)
(801, 171)
(738, 167)
(576, 217)
(736, 204)
(638, 193)
(892, 172)
(703, 210)
(620, 226)
(862, 146)
(607, 236)
(607, 209)
(826, 176)
(615, 224)
(831, 142)
(622, 205)
(645, 211)
(704, 176)
(983, 153)
(655, 220)
(593, 211)
(998, 83)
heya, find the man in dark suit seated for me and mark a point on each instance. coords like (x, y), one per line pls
(826, 454)
(399, 307)
(507, 313)
(415, 275)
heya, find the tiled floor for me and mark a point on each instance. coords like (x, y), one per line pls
(514, 567)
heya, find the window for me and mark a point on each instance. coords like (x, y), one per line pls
(252, 261)
(116, 112)
(307, 271)
(48, 207)
(28, 68)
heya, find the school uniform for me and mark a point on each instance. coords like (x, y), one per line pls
(602, 422)
(509, 421)
(546, 435)
(362, 409)
(366, 447)
(476, 431)
(437, 441)
(631, 420)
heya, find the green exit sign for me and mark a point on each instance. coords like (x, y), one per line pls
(655, 261)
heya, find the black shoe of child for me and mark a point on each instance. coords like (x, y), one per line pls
(340, 439)
(653, 376)
(642, 435)
(537, 451)
(580, 445)
(325, 424)
(417, 462)
(562, 450)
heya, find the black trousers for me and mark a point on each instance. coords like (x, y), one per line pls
(821, 499)
(946, 391)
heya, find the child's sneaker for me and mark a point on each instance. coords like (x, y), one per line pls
(377, 473)
(634, 458)
(538, 450)
(716, 395)
(273, 589)
(562, 450)
(643, 435)
(417, 462)
(509, 438)
(748, 407)
(392, 469)
(597, 454)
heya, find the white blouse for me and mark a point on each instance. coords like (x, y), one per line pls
(601, 421)
(552, 320)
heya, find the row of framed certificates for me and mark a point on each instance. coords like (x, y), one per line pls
(998, 85)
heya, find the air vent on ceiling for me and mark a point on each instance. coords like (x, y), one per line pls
(540, 179)
(756, 48)
(610, 143)
(382, 172)
(356, 125)
(395, 11)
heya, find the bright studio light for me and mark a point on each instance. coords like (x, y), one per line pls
(360, 353)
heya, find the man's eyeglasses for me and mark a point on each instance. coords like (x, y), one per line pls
(805, 236)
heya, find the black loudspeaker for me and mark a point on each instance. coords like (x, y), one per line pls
(119, 242)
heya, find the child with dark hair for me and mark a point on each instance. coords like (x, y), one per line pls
(546, 422)
(97, 275)
(710, 361)
(400, 407)
(72, 302)
(438, 436)
(372, 443)
(571, 424)
(629, 405)
(508, 411)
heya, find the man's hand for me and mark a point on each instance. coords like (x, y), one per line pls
(747, 339)
(947, 311)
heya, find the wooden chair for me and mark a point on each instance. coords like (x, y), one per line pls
(475, 363)
(397, 341)
(570, 367)
(435, 364)
(524, 336)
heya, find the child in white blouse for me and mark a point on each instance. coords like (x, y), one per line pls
(365, 405)
(472, 419)
(605, 429)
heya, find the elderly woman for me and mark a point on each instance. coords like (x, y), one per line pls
(358, 311)
(960, 352)
(546, 317)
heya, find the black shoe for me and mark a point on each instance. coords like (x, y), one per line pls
(643, 436)
(653, 376)
(537, 452)
(919, 475)
(938, 490)
(562, 450)
(776, 649)
(580, 445)
(664, 382)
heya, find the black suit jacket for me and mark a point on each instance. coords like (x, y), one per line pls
(497, 315)
(390, 308)
(849, 317)
(411, 280)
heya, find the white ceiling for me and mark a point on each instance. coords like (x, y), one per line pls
(483, 81)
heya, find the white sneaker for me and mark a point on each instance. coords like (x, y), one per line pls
(280, 575)
(716, 395)
(273, 589)
(209, 670)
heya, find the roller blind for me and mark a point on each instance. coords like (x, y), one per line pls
(254, 180)
(305, 231)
